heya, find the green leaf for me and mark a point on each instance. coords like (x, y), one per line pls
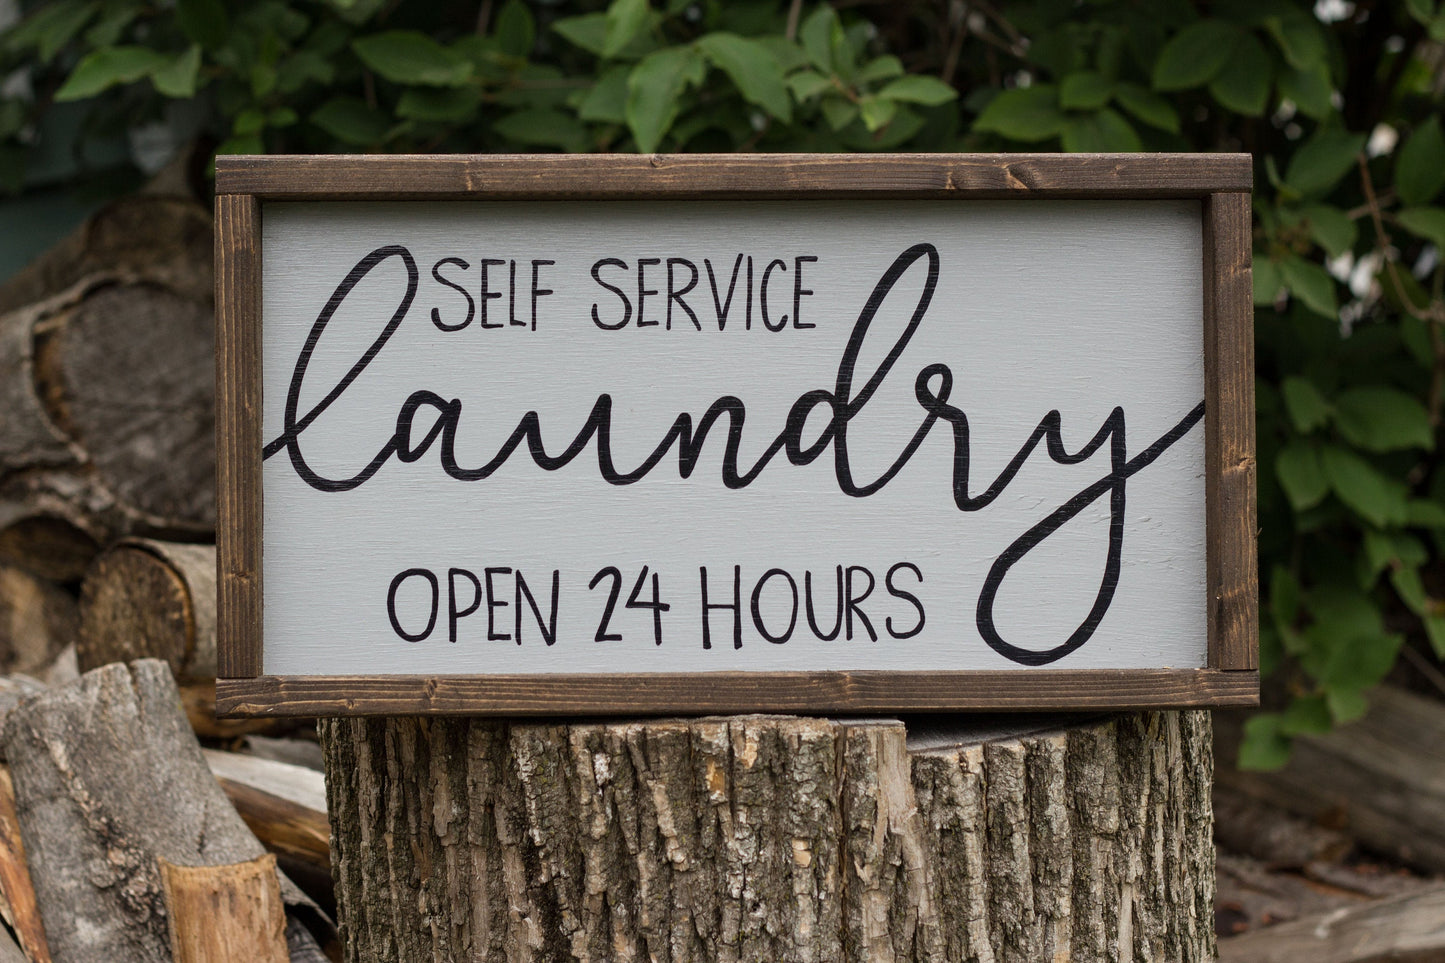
(1102, 132)
(807, 84)
(1330, 227)
(1307, 715)
(1148, 107)
(411, 57)
(820, 34)
(516, 30)
(1307, 408)
(918, 89)
(1195, 55)
(625, 20)
(50, 28)
(885, 68)
(1284, 596)
(442, 105)
(1085, 90)
(1377, 499)
(103, 69)
(839, 112)
(1301, 475)
(1382, 550)
(1311, 284)
(1346, 704)
(178, 79)
(243, 144)
(1301, 39)
(1424, 514)
(1025, 114)
(876, 112)
(351, 121)
(654, 92)
(1264, 746)
(1267, 282)
(752, 69)
(1309, 90)
(1435, 632)
(1420, 165)
(204, 21)
(1243, 85)
(1319, 164)
(543, 127)
(588, 31)
(1421, 10)
(1377, 418)
(607, 100)
(1427, 222)
(1411, 590)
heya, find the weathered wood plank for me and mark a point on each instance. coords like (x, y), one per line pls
(1407, 929)
(238, 434)
(1380, 779)
(1229, 493)
(733, 692)
(502, 176)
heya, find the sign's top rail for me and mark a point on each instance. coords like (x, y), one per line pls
(736, 176)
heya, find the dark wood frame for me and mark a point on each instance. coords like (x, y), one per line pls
(1222, 183)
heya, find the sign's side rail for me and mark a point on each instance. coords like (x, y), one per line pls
(1229, 476)
(728, 692)
(733, 176)
(238, 436)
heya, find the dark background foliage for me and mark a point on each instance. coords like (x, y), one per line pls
(1339, 102)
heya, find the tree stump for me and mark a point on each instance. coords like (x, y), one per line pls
(774, 839)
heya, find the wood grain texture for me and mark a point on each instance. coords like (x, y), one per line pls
(725, 692)
(496, 176)
(17, 891)
(238, 435)
(226, 914)
(1229, 434)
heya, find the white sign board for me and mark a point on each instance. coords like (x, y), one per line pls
(523, 437)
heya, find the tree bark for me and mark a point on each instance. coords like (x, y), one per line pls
(108, 778)
(150, 599)
(772, 838)
(109, 393)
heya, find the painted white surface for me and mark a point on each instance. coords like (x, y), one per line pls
(1073, 306)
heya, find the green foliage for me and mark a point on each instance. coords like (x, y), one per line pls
(1343, 118)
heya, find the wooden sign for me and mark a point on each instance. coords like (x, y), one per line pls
(733, 433)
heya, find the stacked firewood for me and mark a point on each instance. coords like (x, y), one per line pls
(133, 824)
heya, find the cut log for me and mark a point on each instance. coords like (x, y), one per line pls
(37, 620)
(226, 914)
(198, 699)
(51, 546)
(108, 778)
(767, 838)
(165, 237)
(284, 805)
(17, 893)
(1280, 840)
(149, 599)
(1378, 779)
(108, 390)
(1407, 929)
(296, 751)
